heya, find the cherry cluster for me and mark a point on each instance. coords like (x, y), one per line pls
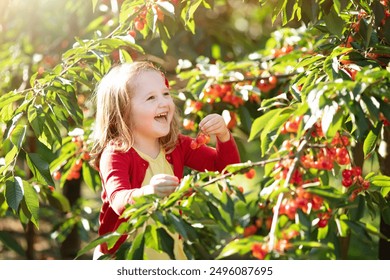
(277, 52)
(222, 92)
(353, 177)
(319, 154)
(201, 139)
(300, 199)
(214, 94)
(380, 28)
(142, 12)
(266, 85)
(260, 249)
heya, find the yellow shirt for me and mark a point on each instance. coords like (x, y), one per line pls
(160, 165)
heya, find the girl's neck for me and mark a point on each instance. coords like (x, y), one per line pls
(152, 149)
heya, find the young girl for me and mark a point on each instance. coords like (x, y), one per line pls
(138, 149)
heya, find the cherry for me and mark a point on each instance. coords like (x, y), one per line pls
(57, 175)
(194, 144)
(366, 184)
(189, 124)
(250, 230)
(322, 223)
(259, 223)
(346, 173)
(201, 139)
(86, 156)
(273, 80)
(356, 171)
(132, 33)
(259, 250)
(250, 174)
(139, 25)
(346, 182)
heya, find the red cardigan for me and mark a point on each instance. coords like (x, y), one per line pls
(122, 172)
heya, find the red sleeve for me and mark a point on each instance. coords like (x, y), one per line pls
(210, 158)
(114, 172)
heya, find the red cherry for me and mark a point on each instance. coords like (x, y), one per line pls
(250, 230)
(346, 173)
(202, 138)
(366, 184)
(57, 175)
(322, 223)
(273, 80)
(347, 182)
(132, 33)
(250, 174)
(356, 171)
(194, 144)
(139, 25)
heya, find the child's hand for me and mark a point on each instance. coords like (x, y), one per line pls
(215, 124)
(161, 185)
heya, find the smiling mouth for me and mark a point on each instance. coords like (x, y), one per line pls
(161, 117)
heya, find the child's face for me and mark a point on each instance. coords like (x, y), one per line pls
(152, 107)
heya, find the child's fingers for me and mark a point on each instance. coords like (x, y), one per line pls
(164, 180)
(211, 123)
(164, 190)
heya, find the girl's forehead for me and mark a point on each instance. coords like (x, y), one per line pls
(149, 81)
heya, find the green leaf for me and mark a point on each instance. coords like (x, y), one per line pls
(237, 167)
(334, 23)
(259, 123)
(18, 135)
(9, 98)
(91, 176)
(164, 36)
(331, 65)
(326, 192)
(59, 201)
(329, 111)
(237, 246)
(69, 101)
(40, 168)
(371, 140)
(36, 117)
(128, 11)
(270, 129)
(309, 60)
(380, 181)
(386, 214)
(10, 242)
(227, 209)
(179, 224)
(137, 248)
(337, 122)
(31, 202)
(166, 242)
(14, 192)
(187, 14)
(217, 215)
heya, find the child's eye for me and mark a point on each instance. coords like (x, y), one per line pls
(150, 98)
(167, 93)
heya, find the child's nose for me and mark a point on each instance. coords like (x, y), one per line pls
(164, 101)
